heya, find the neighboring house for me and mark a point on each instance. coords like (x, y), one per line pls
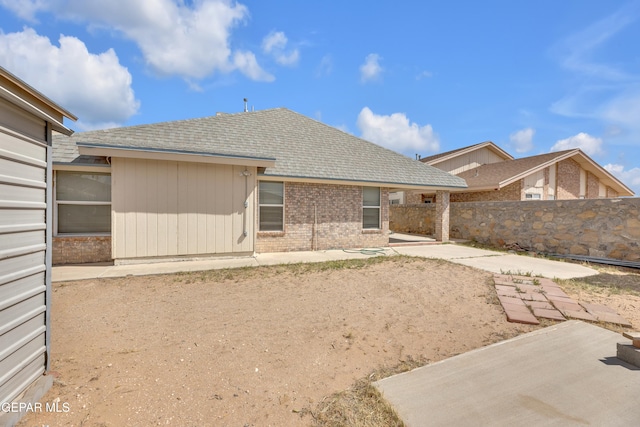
(494, 175)
(263, 181)
(27, 120)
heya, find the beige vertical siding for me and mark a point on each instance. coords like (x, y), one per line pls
(169, 208)
(534, 184)
(552, 180)
(469, 161)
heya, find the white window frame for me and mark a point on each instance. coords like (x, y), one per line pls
(271, 205)
(379, 207)
(57, 202)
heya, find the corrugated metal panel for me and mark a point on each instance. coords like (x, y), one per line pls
(167, 208)
(23, 248)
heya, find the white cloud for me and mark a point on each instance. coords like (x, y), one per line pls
(396, 132)
(604, 90)
(95, 87)
(576, 51)
(424, 75)
(630, 177)
(371, 69)
(624, 108)
(325, 67)
(176, 37)
(523, 140)
(275, 44)
(25, 9)
(246, 62)
(275, 40)
(587, 143)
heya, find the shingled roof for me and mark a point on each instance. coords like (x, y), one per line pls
(497, 175)
(494, 176)
(303, 148)
(437, 158)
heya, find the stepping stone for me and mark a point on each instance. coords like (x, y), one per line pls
(567, 305)
(521, 317)
(512, 303)
(503, 280)
(527, 288)
(554, 291)
(605, 314)
(597, 308)
(560, 299)
(506, 290)
(533, 296)
(517, 311)
(545, 313)
(540, 304)
(579, 314)
(544, 282)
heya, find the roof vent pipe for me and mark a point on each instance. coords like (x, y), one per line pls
(246, 108)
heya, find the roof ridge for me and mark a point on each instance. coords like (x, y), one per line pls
(191, 119)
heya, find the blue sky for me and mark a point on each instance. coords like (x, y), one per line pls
(417, 77)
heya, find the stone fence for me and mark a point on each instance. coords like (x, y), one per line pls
(603, 228)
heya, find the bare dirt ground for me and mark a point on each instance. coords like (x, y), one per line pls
(262, 346)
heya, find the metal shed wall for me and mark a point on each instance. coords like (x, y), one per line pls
(24, 230)
(173, 208)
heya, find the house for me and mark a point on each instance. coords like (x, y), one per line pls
(494, 175)
(263, 181)
(27, 120)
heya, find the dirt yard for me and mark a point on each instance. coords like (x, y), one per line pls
(258, 347)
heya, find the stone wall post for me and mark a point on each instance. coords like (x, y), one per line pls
(442, 215)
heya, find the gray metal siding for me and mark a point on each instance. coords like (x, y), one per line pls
(23, 250)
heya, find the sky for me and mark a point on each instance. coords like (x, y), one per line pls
(418, 77)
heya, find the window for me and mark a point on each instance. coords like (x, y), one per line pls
(271, 206)
(532, 196)
(370, 207)
(83, 202)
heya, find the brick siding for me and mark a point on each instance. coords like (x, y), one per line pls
(593, 186)
(568, 178)
(81, 249)
(511, 192)
(321, 216)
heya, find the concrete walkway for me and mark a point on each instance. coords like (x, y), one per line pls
(499, 262)
(496, 262)
(563, 375)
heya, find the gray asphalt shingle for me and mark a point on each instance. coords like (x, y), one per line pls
(302, 147)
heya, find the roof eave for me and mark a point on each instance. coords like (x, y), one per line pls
(90, 149)
(35, 93)
(537, 168)
(470, 149)
(610, 180)
(56, 124)
(363, 182)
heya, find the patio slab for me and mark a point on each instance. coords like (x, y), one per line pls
(563, 375)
